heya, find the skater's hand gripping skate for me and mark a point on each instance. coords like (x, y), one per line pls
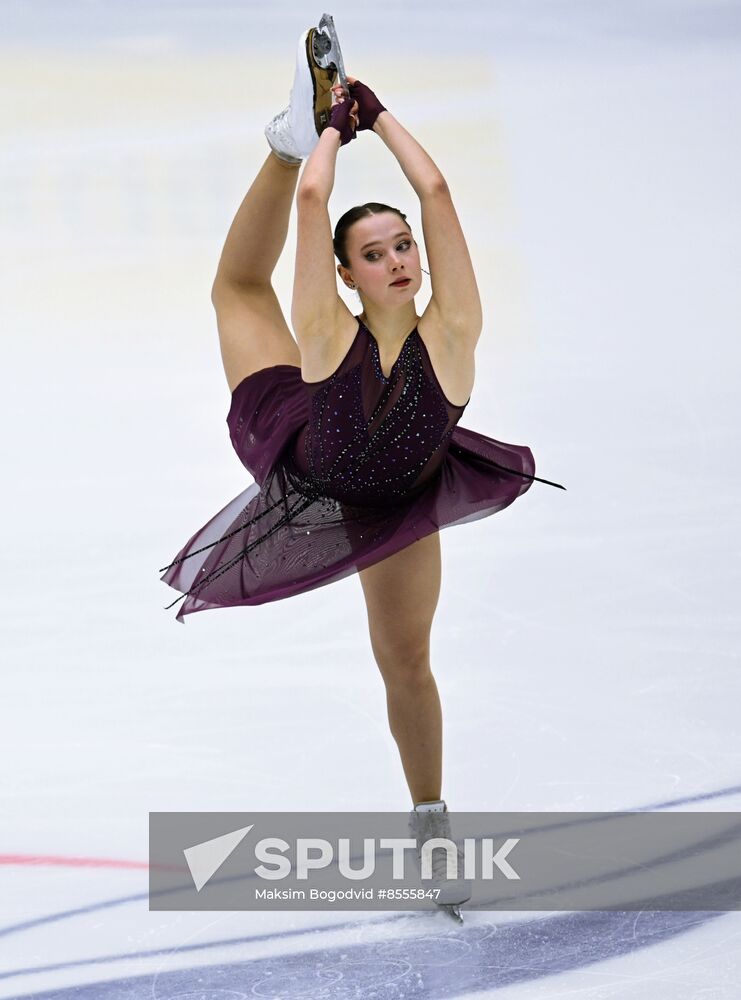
(343, 117)
(368, 104)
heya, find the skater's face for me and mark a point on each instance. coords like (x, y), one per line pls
(381, 250)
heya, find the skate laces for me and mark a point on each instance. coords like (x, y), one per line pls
(280, 137)
(280, 125)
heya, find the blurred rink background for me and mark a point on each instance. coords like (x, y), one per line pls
(586, 643)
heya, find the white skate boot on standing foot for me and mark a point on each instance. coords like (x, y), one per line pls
(295, 131)
(429, 820)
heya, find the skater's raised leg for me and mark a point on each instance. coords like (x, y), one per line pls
(253, 332)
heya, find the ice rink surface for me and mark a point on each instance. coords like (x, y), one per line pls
(586, 644)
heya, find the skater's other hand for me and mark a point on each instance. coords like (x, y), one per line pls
(344, 116)
(369, 107)
(342, 95)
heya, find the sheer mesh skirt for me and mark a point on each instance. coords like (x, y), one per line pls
(281, 537)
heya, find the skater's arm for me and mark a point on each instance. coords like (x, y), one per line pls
(418, 166)
(316, 303)
(455, 294)
(319, 170)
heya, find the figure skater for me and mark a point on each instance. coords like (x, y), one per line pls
(351, 430)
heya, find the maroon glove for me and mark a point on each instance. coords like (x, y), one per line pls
(369, 105)
(339, 118)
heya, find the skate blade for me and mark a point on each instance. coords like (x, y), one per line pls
(452, 910)
(333, 53)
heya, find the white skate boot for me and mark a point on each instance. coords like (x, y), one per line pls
(295, 131)
(429, 820)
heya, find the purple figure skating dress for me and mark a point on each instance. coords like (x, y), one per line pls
(347, 471)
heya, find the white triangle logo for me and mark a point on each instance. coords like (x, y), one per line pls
(206, 858)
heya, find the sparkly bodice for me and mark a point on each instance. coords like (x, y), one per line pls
(373, 440)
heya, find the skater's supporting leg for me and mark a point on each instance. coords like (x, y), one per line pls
(401, 595)
(415, 718)
(253, 332)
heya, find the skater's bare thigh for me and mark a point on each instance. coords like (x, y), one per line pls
(253, 332)
(401, 595)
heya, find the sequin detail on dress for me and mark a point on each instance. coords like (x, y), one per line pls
(348, 470)
(373, 440)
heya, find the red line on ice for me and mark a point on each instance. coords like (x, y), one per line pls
(70, 862)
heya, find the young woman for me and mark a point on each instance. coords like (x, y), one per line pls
(351, 430)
